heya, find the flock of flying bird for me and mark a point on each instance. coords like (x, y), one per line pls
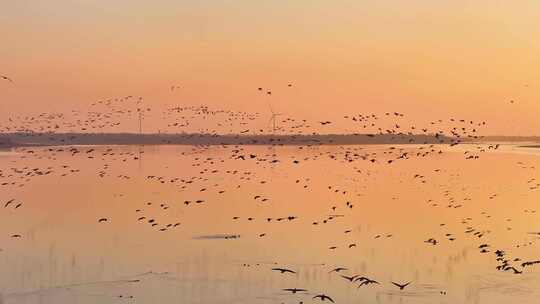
(115, 110)
(360, 280)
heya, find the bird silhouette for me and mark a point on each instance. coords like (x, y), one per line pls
(283, 270)
(6, 78)
(350, 279)
(401, 286)
(295, 290)
(324, 297)
(338, 269)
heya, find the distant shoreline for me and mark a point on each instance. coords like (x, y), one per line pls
(10, 140)
(21, 139)
(530, 146)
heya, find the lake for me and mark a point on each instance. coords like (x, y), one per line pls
(187, 224)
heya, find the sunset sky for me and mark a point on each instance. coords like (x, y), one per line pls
(424, 58)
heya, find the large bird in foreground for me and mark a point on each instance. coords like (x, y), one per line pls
(294, 290)
(324, 297)
(401, 286)
(283, 270)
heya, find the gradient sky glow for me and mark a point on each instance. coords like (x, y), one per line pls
(440, 59)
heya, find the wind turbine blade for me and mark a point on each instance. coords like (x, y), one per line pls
(271, 109)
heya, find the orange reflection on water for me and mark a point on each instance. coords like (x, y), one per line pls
(66, 256)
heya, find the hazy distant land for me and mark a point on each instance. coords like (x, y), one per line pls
(53, 139)
(47, 139)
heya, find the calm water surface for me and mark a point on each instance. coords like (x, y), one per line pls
(384, 212)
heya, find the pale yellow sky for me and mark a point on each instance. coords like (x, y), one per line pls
(428, 59)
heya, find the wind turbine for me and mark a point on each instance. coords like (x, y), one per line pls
(140, 121)
(140, 114)
(273, 119)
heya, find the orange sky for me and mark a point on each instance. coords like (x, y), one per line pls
(440, 59)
